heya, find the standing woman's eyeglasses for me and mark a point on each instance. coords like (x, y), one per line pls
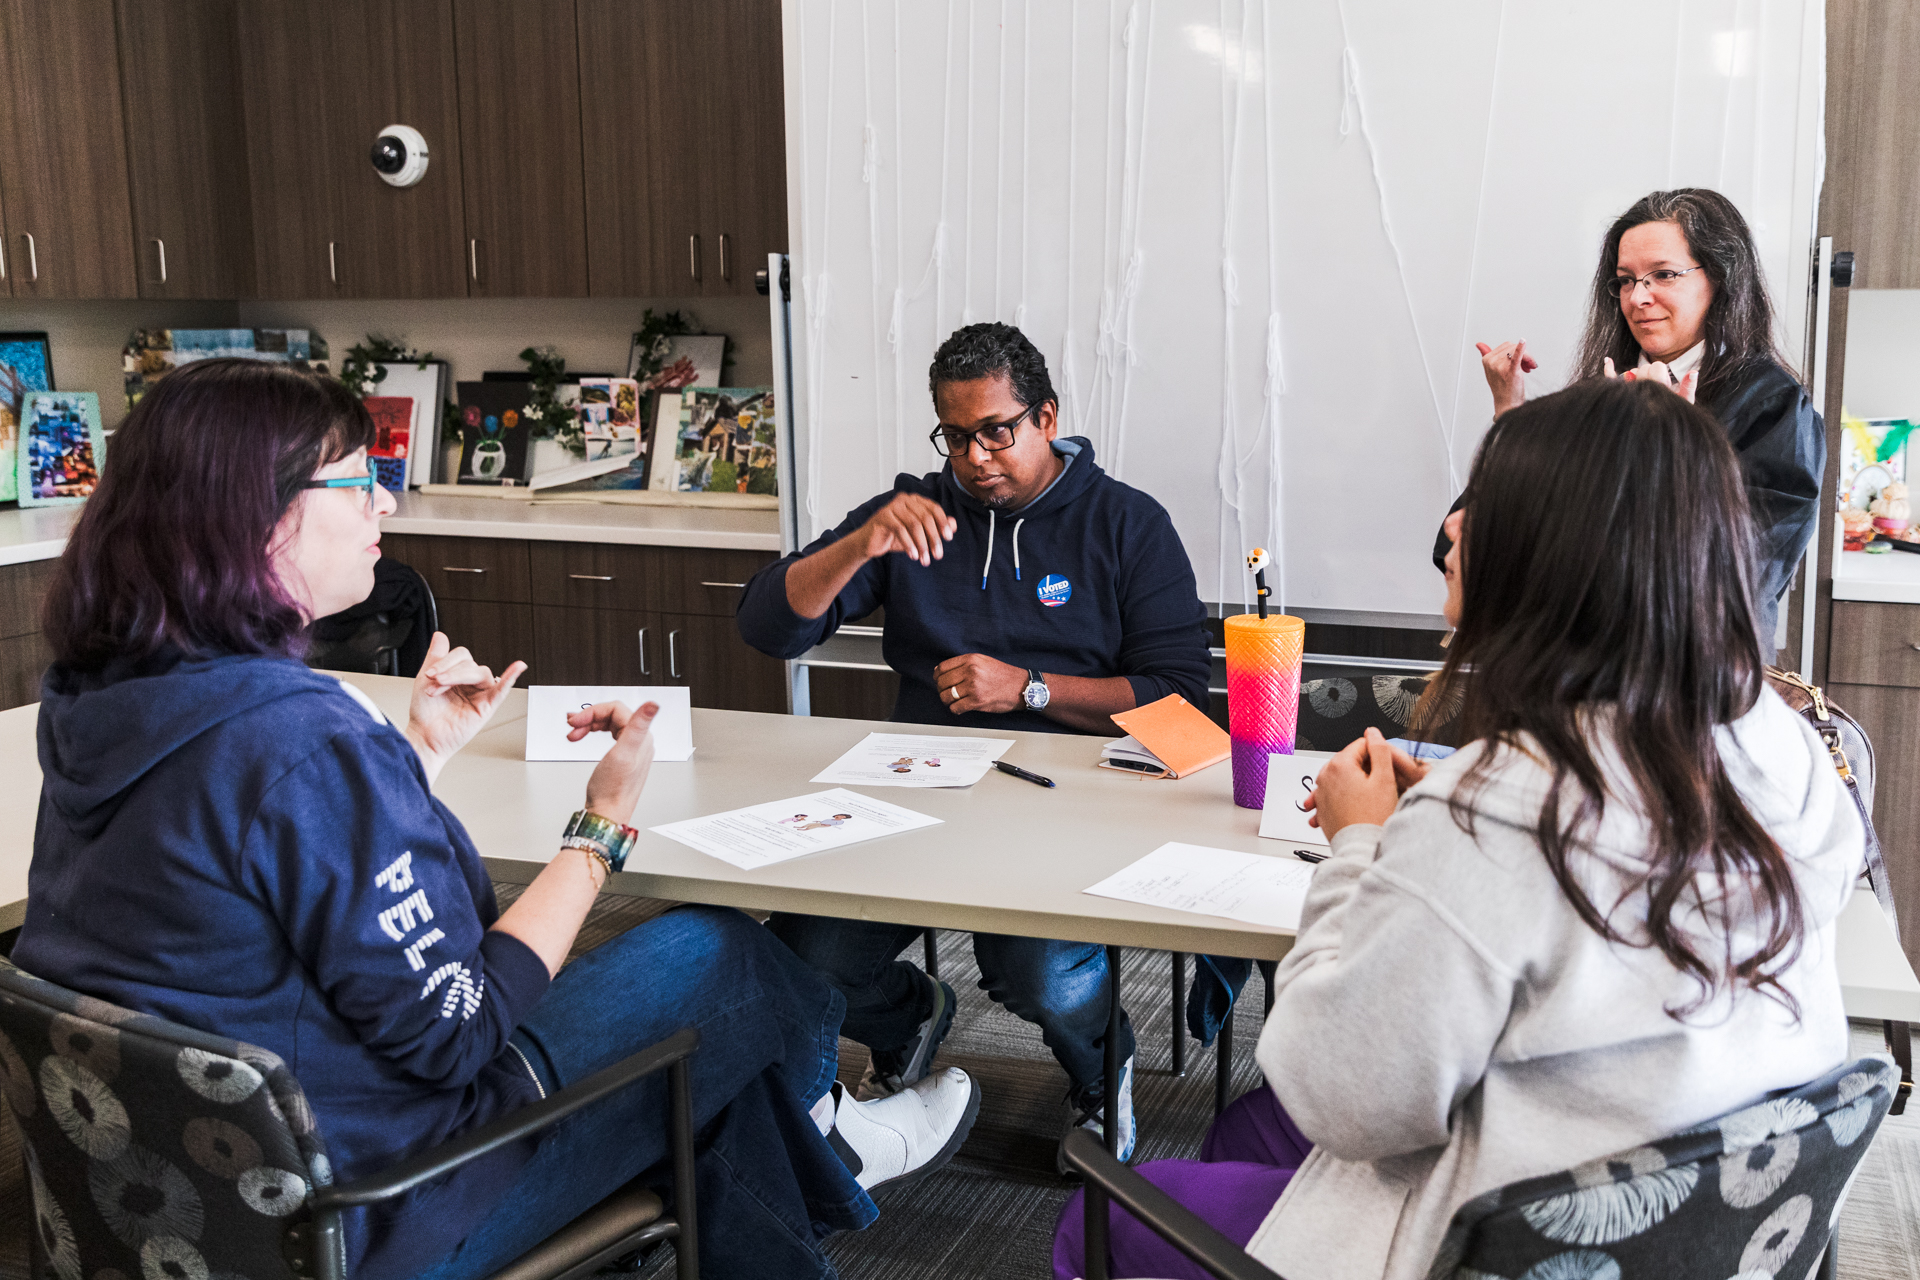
(368, 482)
(1656, 281)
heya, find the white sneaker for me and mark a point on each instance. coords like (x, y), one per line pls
(903, 1138)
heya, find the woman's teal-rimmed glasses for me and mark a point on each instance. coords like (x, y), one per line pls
(367, 482)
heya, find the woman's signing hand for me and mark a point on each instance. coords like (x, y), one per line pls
(453, 698)
(1361, 784)
(1506, 367)
(614, 789)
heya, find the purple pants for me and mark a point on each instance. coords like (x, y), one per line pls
(1250, 1154)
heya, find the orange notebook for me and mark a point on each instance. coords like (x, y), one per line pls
(1178, 733)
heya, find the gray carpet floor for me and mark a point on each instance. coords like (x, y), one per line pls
(992, 1211)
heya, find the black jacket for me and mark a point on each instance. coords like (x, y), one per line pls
(1782, 445)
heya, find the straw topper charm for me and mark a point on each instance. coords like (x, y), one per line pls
(1257, 562)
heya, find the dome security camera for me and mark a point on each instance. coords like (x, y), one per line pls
(400, 155)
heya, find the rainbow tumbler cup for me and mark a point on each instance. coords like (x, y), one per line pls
(1263, 697)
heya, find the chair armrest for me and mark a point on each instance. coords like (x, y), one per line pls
(1163, 1215)
(448, 1156)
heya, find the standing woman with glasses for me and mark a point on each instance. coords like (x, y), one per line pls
(1678, 298)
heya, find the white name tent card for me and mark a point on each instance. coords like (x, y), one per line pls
(548, 706)
(903, 760)
(1252, 887)
(1290, 781)
(763, 834)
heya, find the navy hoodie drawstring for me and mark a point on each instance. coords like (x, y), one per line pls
(1016, 547)
(989, 564)
(993, 523)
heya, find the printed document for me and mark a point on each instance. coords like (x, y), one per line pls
(902, 760)
(548, 706)
(1250, 887)
(1290, 782)
(781, 829)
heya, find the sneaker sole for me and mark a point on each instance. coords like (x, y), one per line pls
(946, 1152)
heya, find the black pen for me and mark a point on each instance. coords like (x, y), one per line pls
(1308, 856)
(1018, 772)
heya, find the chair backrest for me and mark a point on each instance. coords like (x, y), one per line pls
(1756, 1191)
(151, 1148)
(386, 634)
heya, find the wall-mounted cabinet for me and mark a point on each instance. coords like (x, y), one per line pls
(63, 152)
(297, 180)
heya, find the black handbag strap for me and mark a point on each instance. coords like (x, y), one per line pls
(1820, 716)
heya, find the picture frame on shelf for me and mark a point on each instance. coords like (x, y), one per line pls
(62, 448)
(726, 442)
(426, 383)
(26, 365)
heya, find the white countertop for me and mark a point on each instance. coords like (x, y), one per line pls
(38, 533)
(1892, 577)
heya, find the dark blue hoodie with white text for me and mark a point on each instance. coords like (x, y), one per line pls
(247, 847)
(1089, 579)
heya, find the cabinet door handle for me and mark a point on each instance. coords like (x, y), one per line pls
(591, 577)
(3, 258)
(161, 245)
(741, 586)
(333, 265)
(473, 260)
(673, 655)
(33, 259)
(454, 568)
(693, 257)
(1917, 647)
(726, 262)
(642, 639)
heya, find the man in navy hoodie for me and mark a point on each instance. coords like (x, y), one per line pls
(1024, 589)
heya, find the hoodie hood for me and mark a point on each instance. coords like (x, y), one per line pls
(101, 732)
(1075, 478)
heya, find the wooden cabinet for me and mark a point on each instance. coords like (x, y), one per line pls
(520, 147)
(63, 152)
(1876, 644)
(1891, 718)
(297, 179)
(1873, 139)
(686, 173)
(186, 148)
(23, 652)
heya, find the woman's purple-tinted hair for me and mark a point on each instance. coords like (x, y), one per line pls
(173, 550)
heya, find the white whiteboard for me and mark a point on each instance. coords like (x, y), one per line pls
(1256, 242)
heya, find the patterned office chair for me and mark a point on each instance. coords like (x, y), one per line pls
(154, 1149)
(1755, 1192)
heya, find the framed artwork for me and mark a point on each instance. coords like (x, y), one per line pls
(498, 440)
(726, 442)
(62, 448)
(26, 365)
(150, 354)
(426, 385)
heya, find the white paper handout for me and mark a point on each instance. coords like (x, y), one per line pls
(764, 834)
(1252, 887)
(902, 760)
(548, 706)
(1290, 781)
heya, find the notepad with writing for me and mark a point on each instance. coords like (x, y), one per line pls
(1178, 734)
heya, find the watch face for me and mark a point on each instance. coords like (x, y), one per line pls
(1037, 693)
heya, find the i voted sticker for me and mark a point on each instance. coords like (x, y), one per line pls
(1054, 591)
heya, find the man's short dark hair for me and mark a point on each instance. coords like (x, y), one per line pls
(988, 351)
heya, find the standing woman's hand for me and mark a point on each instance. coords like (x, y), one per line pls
(1658, 374)
(453, 698)
(1506, 367)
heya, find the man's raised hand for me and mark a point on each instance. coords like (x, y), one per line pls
(911, 524)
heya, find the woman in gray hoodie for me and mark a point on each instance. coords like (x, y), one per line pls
(1607, 919)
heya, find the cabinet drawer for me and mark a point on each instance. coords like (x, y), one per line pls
(593, 575)
(465, 568)
(707, 580)
(1875, 644)
(22, 588)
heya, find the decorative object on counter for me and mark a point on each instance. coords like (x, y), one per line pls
(496, 435)
(1857, 529)
(609, 411)
(388, 457)
(379, 365)
(652, 347)
(550, 402)
(725, 443)
(62, 448)
(26, 364)
(150, 354)
(1263, 697)
(1890, 511)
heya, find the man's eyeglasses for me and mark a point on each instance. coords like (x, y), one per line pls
(367, 482)
(1654, 280)
(995, 436)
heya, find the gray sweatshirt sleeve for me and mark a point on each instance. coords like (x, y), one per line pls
(1386, 1011)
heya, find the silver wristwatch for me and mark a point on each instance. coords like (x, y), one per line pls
(1037, 694)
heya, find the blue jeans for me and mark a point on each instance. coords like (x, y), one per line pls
(1060, 987)
(769, 1188)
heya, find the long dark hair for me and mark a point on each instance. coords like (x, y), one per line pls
(172, 551)
(1608, 572)
(1739, 327)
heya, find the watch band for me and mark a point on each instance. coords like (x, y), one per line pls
(611, 841)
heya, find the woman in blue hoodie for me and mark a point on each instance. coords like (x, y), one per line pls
(240, 844)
